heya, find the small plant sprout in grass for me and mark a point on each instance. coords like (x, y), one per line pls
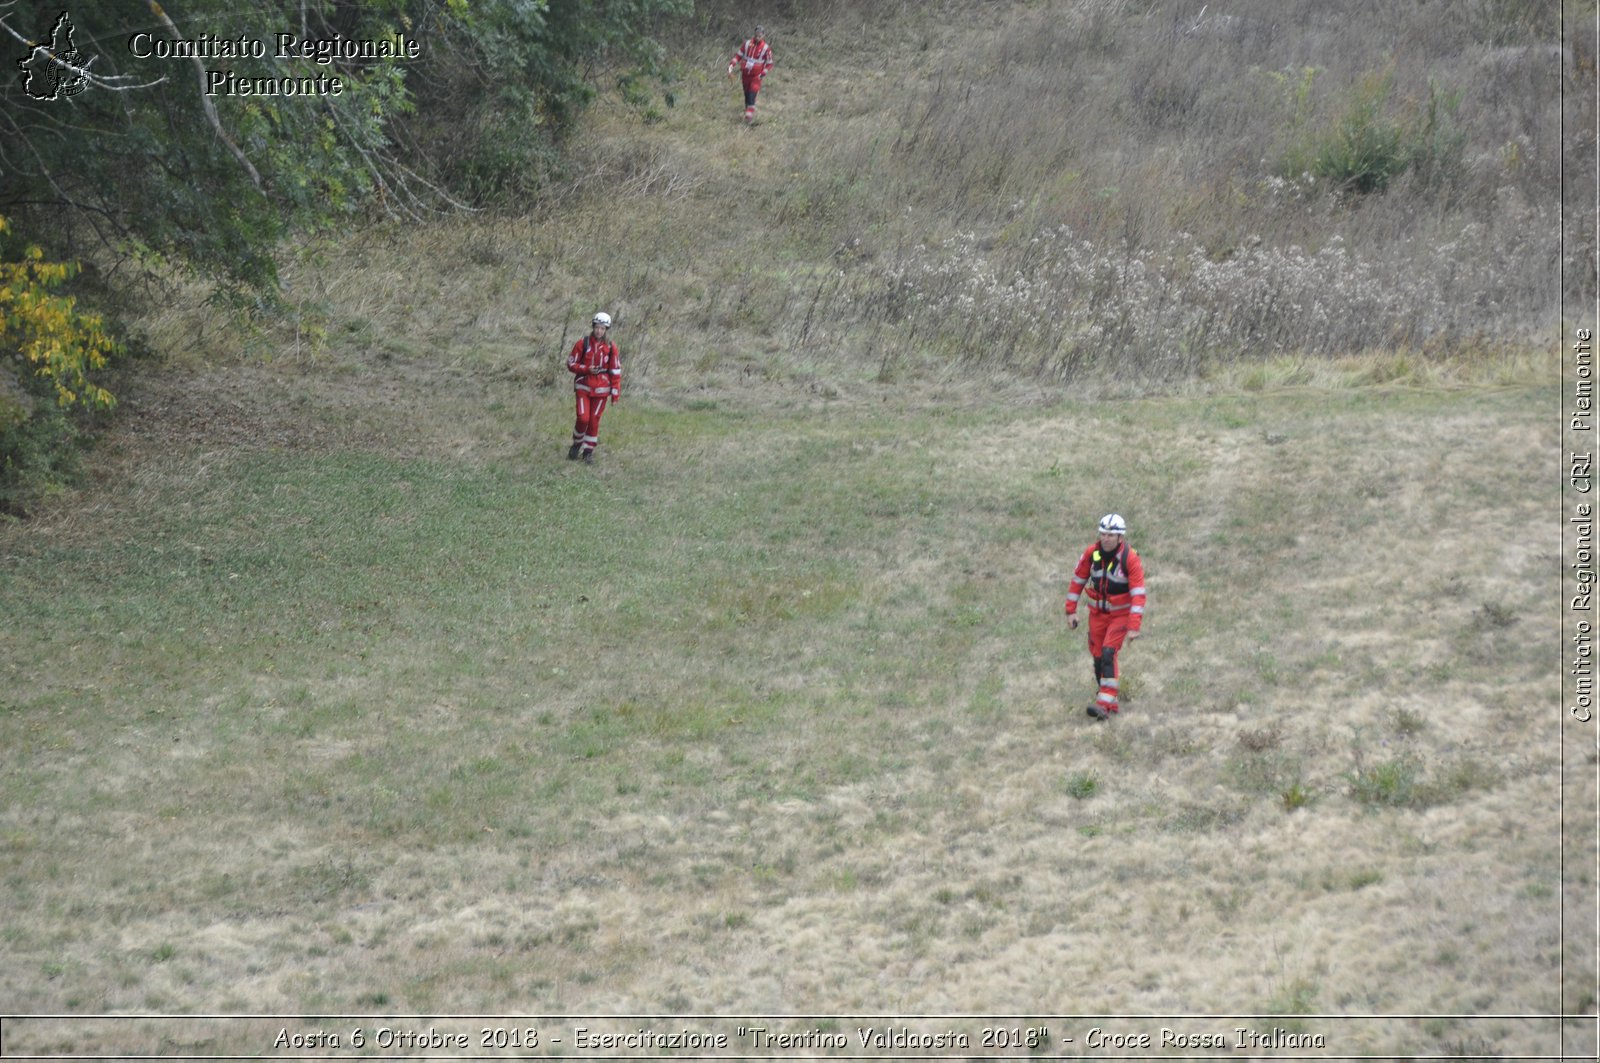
(1081, 785)
(1408, 724)
(1296, 796)
(1391, 783)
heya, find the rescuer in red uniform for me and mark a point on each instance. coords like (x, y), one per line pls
(753, 60)
(596, 367)
(1111, 575)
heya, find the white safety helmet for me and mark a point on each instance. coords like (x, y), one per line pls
(602, 318)
(1113, 524)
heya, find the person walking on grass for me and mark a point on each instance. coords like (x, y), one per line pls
(596, 367)
(1112, 577)
(753, 61)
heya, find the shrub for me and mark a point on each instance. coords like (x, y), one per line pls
(53, 351)
(500, 152)
(1361, 150)
(36, 453)
(52, 343)
(1365, 147)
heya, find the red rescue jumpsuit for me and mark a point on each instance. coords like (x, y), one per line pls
(753, 60)
(1114, 583)
(596, 367)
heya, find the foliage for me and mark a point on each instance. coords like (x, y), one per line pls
(49, 350)
(45, 334)
(154, 159)
(496, 100)
(160, 164)
(1366, 145)
(36, 454)
(153, 167)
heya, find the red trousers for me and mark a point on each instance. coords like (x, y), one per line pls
(752, 86)
(586, 431)
(1106, 632)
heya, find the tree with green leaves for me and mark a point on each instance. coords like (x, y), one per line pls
(192, 135)
(199, 136)
(152, 158)
(510, 77)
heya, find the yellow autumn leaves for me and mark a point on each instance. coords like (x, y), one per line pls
(54, 341)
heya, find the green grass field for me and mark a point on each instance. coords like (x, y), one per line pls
(775, 711)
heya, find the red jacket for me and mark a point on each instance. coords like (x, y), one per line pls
(1114, 583)
(596, 367)
(754, 60)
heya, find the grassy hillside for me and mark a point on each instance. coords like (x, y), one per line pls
(776, 713)
(339, 691)
(1060, 192)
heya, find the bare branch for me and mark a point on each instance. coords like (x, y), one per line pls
(114, 83)
(205, 100)
(390, 174)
